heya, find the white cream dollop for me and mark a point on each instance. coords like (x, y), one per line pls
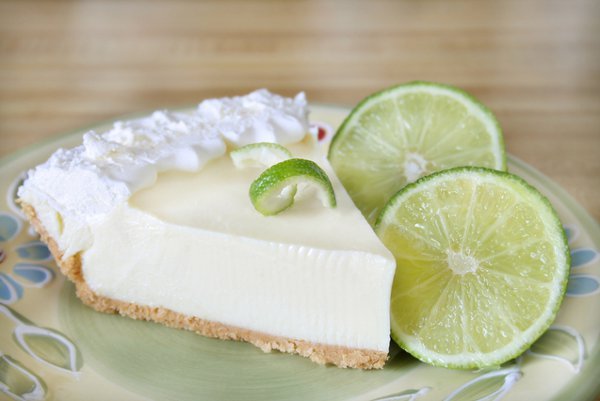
(257, 117)
(90, 180)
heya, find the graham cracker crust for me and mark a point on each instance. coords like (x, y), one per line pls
(322, 354)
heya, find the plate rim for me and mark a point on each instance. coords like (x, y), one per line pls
(581, 387)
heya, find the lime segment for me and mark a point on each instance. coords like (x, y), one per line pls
(262, 154)
(482, 266)
(400, 134)
(274, 190)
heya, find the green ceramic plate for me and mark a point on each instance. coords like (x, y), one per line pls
(52, 347)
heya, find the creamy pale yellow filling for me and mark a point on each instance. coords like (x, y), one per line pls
(193, 243)
(217, 199)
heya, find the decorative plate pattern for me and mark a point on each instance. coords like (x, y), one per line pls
(54, 348)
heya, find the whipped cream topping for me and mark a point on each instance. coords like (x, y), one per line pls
(109, 167)
(258, 117)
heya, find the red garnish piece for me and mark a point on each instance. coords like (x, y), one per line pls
(321, 133)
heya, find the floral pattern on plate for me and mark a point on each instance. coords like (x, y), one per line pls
(44, 345)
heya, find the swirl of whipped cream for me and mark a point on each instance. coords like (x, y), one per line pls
(257, 117)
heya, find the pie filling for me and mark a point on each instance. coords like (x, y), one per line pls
(190, 241)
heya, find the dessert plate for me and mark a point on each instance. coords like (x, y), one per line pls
(52, 347)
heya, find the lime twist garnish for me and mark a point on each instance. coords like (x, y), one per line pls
(274, 190)
(482, 266)
(262, 154)
(405, 132)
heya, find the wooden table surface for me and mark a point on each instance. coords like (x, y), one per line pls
(535, 63)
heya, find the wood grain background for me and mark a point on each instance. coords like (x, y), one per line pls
(535, 63)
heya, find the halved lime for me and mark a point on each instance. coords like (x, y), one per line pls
(400, 134)
(274, 190)
(482, 266)
(261, 154)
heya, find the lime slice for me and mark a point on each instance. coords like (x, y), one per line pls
(262, 154)
(482, 266)
(400, 134)
(274, 190)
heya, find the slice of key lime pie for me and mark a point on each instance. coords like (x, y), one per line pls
(152, 220)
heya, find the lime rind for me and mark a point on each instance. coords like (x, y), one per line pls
(274, 190)
(261, 154)
(401, 133)
(553, 227)
(279, 198)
